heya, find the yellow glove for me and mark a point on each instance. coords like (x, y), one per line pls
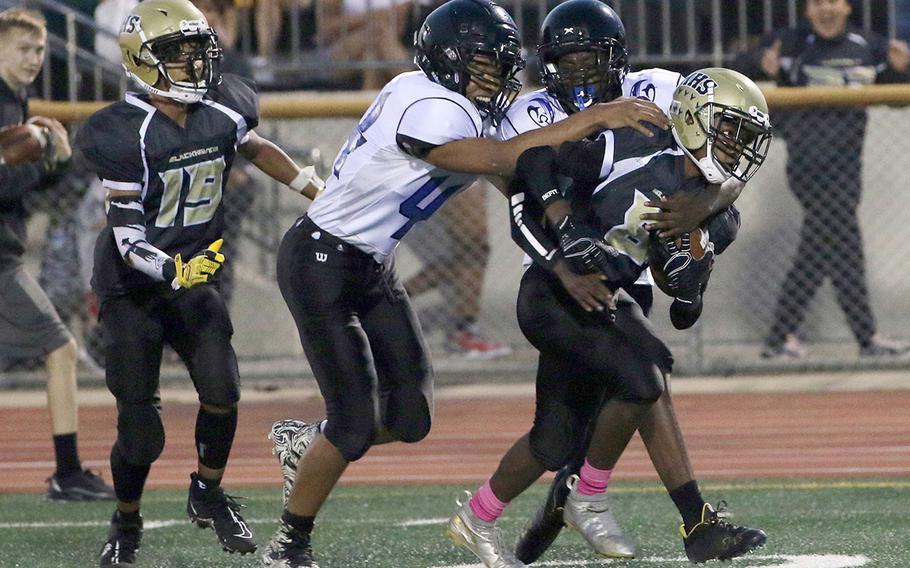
(200, 268)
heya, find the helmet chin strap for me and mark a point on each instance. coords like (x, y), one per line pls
(707, 166)
(187, 96)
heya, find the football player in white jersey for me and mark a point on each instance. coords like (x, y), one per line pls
(420, 142)
(583, 62)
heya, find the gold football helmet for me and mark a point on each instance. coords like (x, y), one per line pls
(725, 111)
(169, 49)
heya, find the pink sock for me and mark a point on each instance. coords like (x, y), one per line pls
(486, 505)
(591, 480)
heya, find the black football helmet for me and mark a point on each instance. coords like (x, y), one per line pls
(459, 31)
(589, 27)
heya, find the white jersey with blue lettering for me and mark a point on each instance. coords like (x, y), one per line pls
(379, 187)
(539, 108)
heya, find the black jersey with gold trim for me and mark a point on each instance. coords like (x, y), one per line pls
(181, 172)
(615, 175)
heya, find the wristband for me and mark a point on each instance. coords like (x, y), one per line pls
(307, 176)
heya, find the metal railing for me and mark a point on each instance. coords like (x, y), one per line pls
(682, 34)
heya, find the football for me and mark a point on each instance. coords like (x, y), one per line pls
(22, 143)
(658, 254)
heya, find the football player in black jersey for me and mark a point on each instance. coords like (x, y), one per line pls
(584, 61)
(721, 130)
(164, 157)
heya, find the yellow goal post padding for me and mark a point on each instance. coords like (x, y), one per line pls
(353, 105)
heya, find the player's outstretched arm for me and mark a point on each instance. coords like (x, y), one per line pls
(273, 161)
(487, 156)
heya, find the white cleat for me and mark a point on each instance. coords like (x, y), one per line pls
(291, 438)
(481, 538)
(590, 515)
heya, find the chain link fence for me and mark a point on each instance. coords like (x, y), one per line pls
(462, 261)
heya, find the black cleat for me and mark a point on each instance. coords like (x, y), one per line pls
(715, 539)
(122, 542)
(684, 313)
(211, 507)
(289, 548)
(82, 485)
(547, 522)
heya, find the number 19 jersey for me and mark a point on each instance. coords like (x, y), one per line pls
(380, 186)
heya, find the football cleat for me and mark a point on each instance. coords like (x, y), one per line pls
(122, 542)
(82, 485)
(289, 548)
(590, 515)
(547, 523)
(479, 537)
(211, 507)
(291, 438)
(713, 538)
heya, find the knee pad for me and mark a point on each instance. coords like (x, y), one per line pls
(352, 436)
(408, 414)
(645, 388)
(554, 437)
(140, 432)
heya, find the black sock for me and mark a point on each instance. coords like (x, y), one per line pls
(688, 500)
(464, 323)
(67, 454)
(132, 518)
(202, 484)
(299, 522)
(129, 479)
(214, 436)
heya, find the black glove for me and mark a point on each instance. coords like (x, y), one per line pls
(587, 253)
(686, 275)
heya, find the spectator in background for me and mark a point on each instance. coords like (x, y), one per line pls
(824, 166)
(369, 31)
(269, 15)
(455, 248)
(109, 17)
(29, 325)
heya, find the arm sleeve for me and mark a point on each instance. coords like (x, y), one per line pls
(587, 161)
(528, 232)
(417, 134)
(126, 217)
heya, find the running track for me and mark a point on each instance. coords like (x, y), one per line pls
(730, 436)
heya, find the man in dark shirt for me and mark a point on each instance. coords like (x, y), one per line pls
(824, 166)
(29, 324)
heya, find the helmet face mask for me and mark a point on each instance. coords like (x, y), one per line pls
(187, 62)
(169, 50)
(722, 116)
(471, 47)
(582, 54)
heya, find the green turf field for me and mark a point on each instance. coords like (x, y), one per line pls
(821, 524)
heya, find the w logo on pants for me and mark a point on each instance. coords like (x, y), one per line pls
(322, 256)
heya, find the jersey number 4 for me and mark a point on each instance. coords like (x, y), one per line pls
(203, 194)
(421, 205)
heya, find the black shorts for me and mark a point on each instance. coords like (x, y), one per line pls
(361, 337)
(194, 322)
(584, 358)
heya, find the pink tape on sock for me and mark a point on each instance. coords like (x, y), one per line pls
(591, 480)
(486, 505)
